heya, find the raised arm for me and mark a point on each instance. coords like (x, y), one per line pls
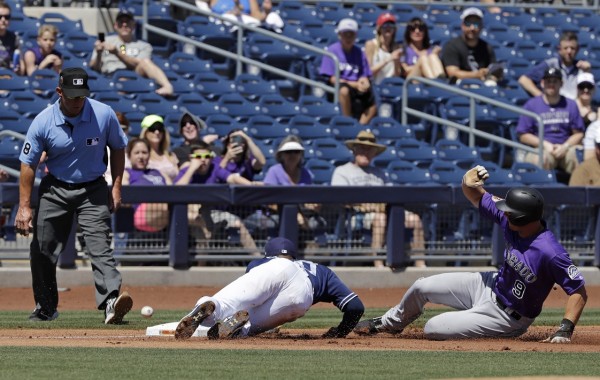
(472, 184)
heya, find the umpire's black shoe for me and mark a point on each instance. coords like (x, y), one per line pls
(369, 327)
(188, 324)
(230, 327)
(40, 315)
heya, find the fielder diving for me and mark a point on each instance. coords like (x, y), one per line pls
(274, 290)
(496, 304)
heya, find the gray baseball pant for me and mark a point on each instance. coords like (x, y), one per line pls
(53, 220)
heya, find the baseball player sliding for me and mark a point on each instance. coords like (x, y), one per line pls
(275, 290)
(496, 304)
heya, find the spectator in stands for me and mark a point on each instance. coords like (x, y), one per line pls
(202, 169)
(585, 92)
(147, 217)
(468, 56)
(124, 51)
(563, 125)
(43, 56)
(265, 15)
(9, 43)
(189, 127)
(565, 61)
(383, 52)
(356, 94)
(124, 123)
(420, 58)
(161, 158)
(241, 156)
(360, 172)
(289, 171)
(587, 173)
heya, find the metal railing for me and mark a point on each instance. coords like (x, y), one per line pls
(472, 128)
(239, 55)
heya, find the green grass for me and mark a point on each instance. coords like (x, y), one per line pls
(315, 318)
(160, 363)
(124, 363)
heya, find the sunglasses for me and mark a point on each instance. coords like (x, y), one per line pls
(75, 97)
(202, 155)
(472, 24)
(155, 128)
(586, 87)
(6, 17)
(412, 28)
(367, 139)
(388, 26)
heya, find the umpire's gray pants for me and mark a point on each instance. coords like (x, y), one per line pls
(51, 228)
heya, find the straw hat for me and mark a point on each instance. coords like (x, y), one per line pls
(367, 138)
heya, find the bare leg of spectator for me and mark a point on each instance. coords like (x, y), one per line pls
(148, 69)
(378, 231)
(413, 221)
(437, 68)
(369, 114)
(345, 101)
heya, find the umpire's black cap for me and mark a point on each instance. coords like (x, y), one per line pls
(74, 82)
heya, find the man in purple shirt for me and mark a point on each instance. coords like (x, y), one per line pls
(563, 125)
(356, 94)
(503, 303)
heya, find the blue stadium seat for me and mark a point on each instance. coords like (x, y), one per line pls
(328, 148)
(171, 121)
(220, 124)
(24, 102)
(188, 65)
(252, 87)
(135, 120)
(295, 12)
(389, 97)
(22, 24)
(63, 23)
(308, 128)
(43, 82)
(9, 81)
(277, 107)
(321, 170)
(237, 106)
(344, 127)
(118, 102)
(382, 160)
(152, 103)
(161, 46)
(366, 13)
(388, 130)
(446, 173)
(10, 149)
(99, 83)
(317, 107)
(128, 81)
(454, 150)
(330, 12)
(197, 104)
(416, 151)
(500, 176)
(13, 121)
(532, 175)
(78, 42)
(212, 86)
(406, 173)
(265, 127)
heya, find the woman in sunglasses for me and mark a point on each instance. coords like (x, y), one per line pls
(161, 158)
(420, 58)
(585, 92)
(383, 52)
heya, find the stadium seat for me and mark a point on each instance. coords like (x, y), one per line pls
(388, 130)
(319, 108)
(532, 175)
(25, 102)
(118, 102)
(329, 149)
(161, 46)
(59, 20)
(366, 13)
(99, 83)
(265, 127)
(344, 127)
(220, 124)
(128, 81)
(277, 107)
(403, 172)
(188, 65)
(197, 104)
(330, 12)
(78, 42)
(295, 12)
(321, 170)
(389, 97)
(454, 150)
(9, 81)
(152, 103)
(237, 106)
(43, 82)
(446, 173)
(135, 120)
(252, 87)
(212, 86)
(416, 151)
(13, 121)
(308, 128)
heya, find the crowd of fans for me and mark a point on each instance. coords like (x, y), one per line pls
(561, 89)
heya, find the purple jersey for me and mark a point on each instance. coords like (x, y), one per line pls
(560, 120)
(327, 286)
(531, 265)
(147, 177)
(243, 168)
(276, 175)
(353, 64)
(214, 175)
(411, 56)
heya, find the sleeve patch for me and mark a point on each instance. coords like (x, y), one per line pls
(573, 272)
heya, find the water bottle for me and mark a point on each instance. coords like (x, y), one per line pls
(16, 60)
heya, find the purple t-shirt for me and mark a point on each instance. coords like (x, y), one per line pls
(353, 64)
(560, 120)
(276, 175)
(148, 177)
(531, 266)
(410, 56)
(243, 168)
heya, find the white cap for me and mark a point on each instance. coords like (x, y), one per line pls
(586, 77)
(472, 11)
(347, 24)
(290, 145)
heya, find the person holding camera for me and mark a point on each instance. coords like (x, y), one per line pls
(241, 155)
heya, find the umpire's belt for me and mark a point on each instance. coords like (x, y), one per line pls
(74, 186)
(507, 309)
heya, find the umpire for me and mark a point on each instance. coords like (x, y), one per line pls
(74, 133)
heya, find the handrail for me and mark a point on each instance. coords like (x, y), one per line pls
(238, 56)
(470, 3)
(472, 128)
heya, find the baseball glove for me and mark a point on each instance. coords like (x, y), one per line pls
(563, 334)
(476, 176)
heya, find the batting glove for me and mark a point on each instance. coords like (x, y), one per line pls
(564, 333)
(476, 176)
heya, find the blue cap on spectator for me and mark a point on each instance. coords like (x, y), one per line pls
(280, 246)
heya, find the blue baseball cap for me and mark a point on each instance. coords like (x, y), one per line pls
(280, 246)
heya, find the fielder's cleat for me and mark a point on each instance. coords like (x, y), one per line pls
(369, 327)
(116, 308)
(188, 324)
(229, 327)
(40, 315)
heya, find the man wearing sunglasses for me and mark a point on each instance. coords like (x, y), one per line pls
(75, 133)
(9, 43)
(468, 56)
(565, 61)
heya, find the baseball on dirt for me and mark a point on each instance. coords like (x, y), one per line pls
(147, 311)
